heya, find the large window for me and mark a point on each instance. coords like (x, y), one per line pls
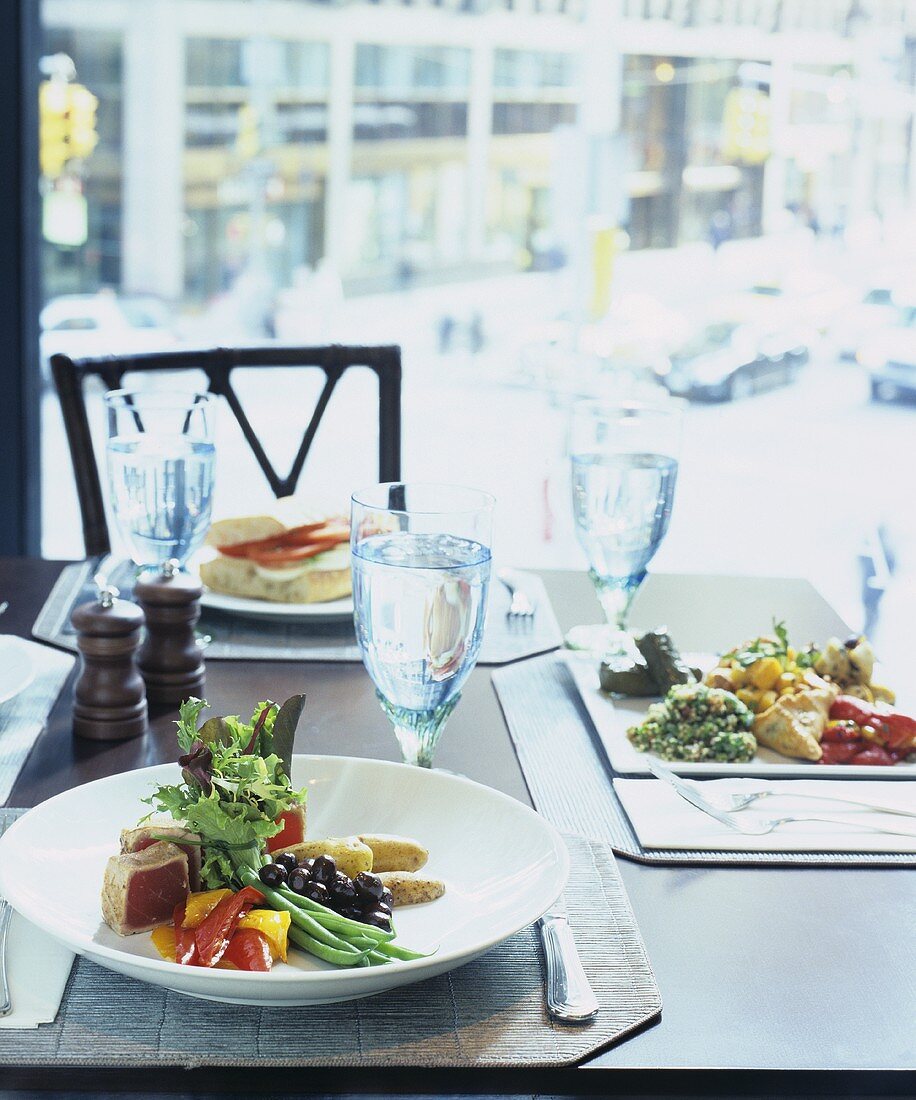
(536, 203)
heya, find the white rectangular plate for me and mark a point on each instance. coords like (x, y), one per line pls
(613, 717)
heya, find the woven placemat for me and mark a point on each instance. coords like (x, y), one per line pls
(235, 638)
(570, 780)
(23, 717)
(488, 1013)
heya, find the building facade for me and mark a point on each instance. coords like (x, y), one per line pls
(393, 142)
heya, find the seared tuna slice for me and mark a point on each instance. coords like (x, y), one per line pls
(293, 832)
(135, 840)
(141, 889)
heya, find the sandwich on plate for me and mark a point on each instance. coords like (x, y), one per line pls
(285, 555)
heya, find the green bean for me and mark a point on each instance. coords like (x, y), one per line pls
(392, 950)
(332, 920)
(376, 958)
(305, 921)
(322, 951)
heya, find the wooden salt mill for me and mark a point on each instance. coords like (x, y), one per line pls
(170, 660)
(109, 696)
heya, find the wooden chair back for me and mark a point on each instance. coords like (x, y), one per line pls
(218, 364)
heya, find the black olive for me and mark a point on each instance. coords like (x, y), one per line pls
(298, 880)
(324, 870)
(387, 898)
(381, 907)
(287, 861)
(378, 919)
(342, 890)
(369, 886)
(315, 891)
(273, 875)
(352, 912)
(852, 641)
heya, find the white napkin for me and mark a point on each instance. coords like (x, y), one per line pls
(37, 968)
(662, 819)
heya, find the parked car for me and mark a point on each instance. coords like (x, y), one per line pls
(727, 360)
(102, 324)
(878, 307)
(890, 359)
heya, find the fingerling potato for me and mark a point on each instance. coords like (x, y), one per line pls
(408, 888)
(348, 852)
(395, 853)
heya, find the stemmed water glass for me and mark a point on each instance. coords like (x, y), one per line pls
(624, 459)
(421, 572)
(160, 473)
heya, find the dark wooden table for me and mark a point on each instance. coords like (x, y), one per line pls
(775, 982)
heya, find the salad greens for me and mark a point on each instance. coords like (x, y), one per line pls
(771, 647)
(236, 784)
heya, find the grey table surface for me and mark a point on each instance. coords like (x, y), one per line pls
(765, 973)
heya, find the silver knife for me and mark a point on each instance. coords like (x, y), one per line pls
(569, 996)
(6, 912)
(688, 792)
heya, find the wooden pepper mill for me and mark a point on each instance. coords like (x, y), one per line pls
(170, 660)
(109, 696)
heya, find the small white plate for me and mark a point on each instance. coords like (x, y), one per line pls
(503, 866)
(16, 668)
(331, 611)
(613, 717)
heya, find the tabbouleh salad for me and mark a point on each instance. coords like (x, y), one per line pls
(695, 722)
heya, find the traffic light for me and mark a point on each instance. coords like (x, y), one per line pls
(82, 105)
(66, 123)
(746, 125)
(53, 128)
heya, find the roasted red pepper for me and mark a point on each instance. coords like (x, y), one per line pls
(248, 949)
(901, 731)
(185, 944)
(873, 754)
(849, 708)
(841, 731)
(839, 752)
(213, 936)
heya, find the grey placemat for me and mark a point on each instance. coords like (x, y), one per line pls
(23, 717)
(488, 1013)
(570, 779)
(245, 639)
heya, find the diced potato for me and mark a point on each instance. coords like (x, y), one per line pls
(750, 697)
(791, 653)
(764, 672)
(766, 700)
(395, 853)
(739, 675)
(860, 691)
(721, 677)
(408, 888)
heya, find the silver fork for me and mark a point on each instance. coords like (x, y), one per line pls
(6, 912)
(739, 801)
(521, 605)
(690, 793)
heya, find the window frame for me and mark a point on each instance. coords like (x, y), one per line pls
(20, 387)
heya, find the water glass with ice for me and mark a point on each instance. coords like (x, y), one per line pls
(624, 462)
(421, 571)
(160, 456)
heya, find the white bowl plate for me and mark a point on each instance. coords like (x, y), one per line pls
(16, 668)
(331, 611)
(503, 866)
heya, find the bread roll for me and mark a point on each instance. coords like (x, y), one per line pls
(325, 577)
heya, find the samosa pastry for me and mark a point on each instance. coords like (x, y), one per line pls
(795, 724)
